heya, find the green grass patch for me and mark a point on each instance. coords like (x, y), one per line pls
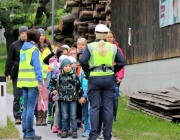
(134, 125)
(10, 131)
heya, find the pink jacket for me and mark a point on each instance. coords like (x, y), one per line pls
(120, 74)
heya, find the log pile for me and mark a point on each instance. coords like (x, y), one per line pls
(81, 22)
(164, 104)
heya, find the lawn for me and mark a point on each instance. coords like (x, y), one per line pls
(134, 125)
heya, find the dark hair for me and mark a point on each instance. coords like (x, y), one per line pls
(48, 44)
(59, 52)
(33, 35)
(58, 45)
(112, 34)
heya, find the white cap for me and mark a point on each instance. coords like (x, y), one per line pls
(66, 46)
(62, 57)
(102, 28)
(72, 59)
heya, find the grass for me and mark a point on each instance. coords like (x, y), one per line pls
(10, 131)
(134, 125)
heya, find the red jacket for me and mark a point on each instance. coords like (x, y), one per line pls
(120, 74)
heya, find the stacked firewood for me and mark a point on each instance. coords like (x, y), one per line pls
(81, 22)
(164, 104)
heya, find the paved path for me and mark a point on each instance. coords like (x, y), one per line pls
(43, 131)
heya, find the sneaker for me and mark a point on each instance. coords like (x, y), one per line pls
(49, 120)
(74, 135)
(64, 135)
(85, 134)
(55, 129)
(17, 121)
(101, 136)
(33, 138)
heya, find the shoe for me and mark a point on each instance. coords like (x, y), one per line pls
(85, 134)
(64, 135)
(38, 118)
(44, 115)
(74, 135)
(101, 136)
(55, 129)
(49, 120)
(17, 121)
(69, 133)
(33, 138)
(59, 133)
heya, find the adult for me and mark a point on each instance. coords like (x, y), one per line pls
(30, 79)
(45, 48)
(120, 75)
(98, 63)
(11, 70)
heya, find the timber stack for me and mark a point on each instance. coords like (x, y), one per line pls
(81, 22)
(164, 104)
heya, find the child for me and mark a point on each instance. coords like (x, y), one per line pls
(73, 63)
(67, 90)
(84, 83)
(72, 52)
(81, 44)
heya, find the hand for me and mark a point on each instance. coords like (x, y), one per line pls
(55, 92)
(40, 88)
(9, 77)
(119, 81)
(82, 100)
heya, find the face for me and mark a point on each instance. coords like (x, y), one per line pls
(110, 38)
(67, 68)
(73, 53)
(65, 52)
(74, 65)
(81, 46)
(23, 36)
(42, 38)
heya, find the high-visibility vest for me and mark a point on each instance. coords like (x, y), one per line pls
(27, 75)
(98, 60)
(45, 53)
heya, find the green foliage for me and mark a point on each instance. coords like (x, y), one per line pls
(134, 125)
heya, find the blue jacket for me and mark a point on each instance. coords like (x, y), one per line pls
(34, 61)
(84, 83)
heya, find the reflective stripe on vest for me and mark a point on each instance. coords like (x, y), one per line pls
(97, 60)
(44, 54)
(26, 75)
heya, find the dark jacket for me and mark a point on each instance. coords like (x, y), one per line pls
(13, 58)
(119, 59)
(67, 85)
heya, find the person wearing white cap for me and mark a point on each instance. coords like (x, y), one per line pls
(97, 61)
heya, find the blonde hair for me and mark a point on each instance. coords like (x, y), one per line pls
(102, 46)
(71, 49)
(82, 40)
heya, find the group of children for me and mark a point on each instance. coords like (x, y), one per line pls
(67, 87)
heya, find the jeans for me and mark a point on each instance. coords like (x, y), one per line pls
(86, 116)
(16, 105)
(59, 116)
(66, 109)
(115, 107)
(30, 100)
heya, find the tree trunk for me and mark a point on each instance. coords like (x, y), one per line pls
(61, 37)
(11, 35)
(72, 4)
(99, 7)
(56, 29)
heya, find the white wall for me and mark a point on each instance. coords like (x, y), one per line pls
(151, 75)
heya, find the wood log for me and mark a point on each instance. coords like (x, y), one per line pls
(104, 2)
(91, 27)
(107, 9)
(68, 41)
(56, 30)
(89, 2)
(67, 28)
(91, 37)
(102, 22)
(77, 22)
(108, 17)
(84, 17)
(72, 4)
(75, 10)
(61, 37)
(99, 7)
(97, 15)
(82, 29)
(76, 35)
(87, 13)
(66, 20)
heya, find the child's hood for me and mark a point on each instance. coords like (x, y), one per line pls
(27, 45)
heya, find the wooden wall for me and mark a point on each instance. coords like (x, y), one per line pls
(149, 41)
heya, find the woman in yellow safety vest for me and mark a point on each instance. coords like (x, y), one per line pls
(45, 48)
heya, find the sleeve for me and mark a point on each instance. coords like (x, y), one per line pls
(9, 61)
(120, 74)
(37, 66)
(46, 59)
(120, 62)
(53, 83)
(84, 60)
(79, 88)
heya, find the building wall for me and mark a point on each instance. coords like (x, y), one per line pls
(149, 42)
(2, 38)
(154, 75)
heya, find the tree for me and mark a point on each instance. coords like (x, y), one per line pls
(17, 12)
